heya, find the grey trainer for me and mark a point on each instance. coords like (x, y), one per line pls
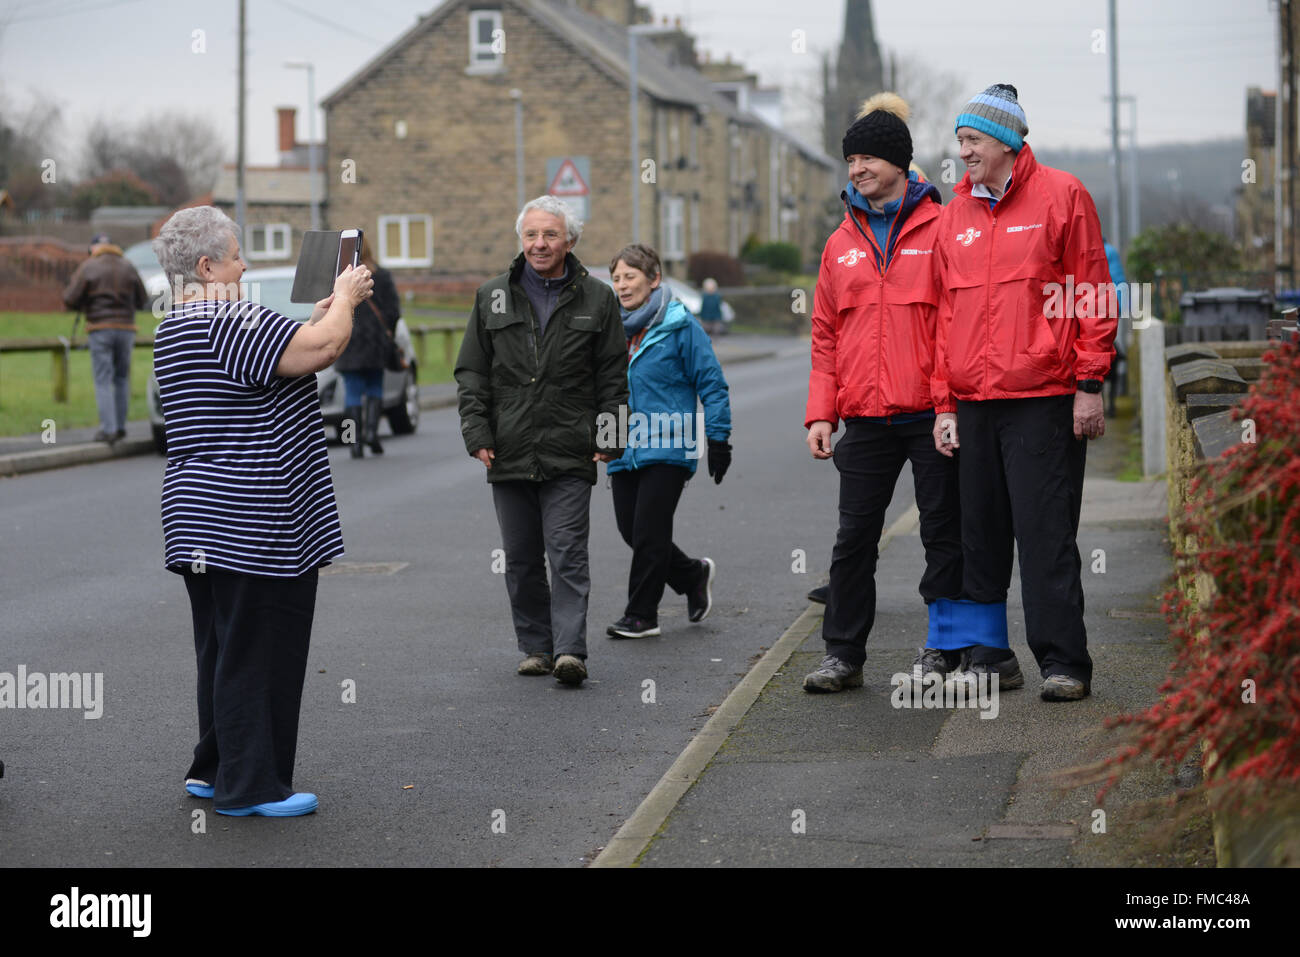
(1008, 671)
(934, 661)
(833, 675)
(1063, 688)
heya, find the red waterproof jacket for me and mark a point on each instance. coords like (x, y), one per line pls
(1026, 308)
(873, 326)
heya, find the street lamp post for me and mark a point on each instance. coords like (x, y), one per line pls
(311, 135)
(518, 96)
(634, 32)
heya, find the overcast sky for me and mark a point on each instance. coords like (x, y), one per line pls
(1187, 61)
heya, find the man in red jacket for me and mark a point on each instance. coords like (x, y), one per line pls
(873, 327)
(1024, 341)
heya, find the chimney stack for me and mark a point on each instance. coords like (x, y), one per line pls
(286, 116)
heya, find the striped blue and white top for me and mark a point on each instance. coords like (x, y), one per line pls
(247, 487)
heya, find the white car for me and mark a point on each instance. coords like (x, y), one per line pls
(141, 256)
(689, 296)
(270, 287)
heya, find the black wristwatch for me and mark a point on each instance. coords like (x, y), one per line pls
(1091, 386)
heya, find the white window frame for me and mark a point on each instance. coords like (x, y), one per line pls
(673, 246)
(494, 62)
(402, 257)
(273, 250)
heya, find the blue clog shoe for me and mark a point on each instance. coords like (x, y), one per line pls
(293, 806)
(199, 789)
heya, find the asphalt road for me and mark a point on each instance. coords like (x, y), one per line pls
(445, 757)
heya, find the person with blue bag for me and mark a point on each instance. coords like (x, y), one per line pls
(671, 371)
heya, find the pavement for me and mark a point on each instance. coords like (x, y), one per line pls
(787, 778)
(66, 447)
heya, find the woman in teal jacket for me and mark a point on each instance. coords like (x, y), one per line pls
(670, 364)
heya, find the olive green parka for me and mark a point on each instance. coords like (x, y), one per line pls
(534, 398)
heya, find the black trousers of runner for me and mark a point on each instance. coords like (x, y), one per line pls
(251, 634)
(645, 500)
(869, 458)
(1022, 483)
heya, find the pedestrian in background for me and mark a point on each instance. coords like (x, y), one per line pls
(370, 351)
(543, 356)
(248, 508)
(873, 327)
(671, 368)
(711, 308)
(108, 290)
(1027, 383)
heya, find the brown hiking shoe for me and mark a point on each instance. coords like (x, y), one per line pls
(535, 665)
(570, 670)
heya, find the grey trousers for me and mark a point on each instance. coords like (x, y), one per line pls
(540, 522)
(110, 362)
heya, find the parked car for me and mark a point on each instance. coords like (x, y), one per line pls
(689, 296)
(141, 256)
(271, 287)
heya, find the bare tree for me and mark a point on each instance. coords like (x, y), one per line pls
(175, 154)
(935, 97)
(28, 140)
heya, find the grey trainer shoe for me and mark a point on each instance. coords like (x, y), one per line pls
(535, 665)
(934, 661)
(570, 670)
(1008, 671)
(833, 675)
(1063, 688)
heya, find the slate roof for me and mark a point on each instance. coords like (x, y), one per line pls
(603, 43)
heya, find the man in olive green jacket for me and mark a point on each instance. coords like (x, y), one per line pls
(543, 355)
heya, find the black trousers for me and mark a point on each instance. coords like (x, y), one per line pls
(1022, 483)
(870, 457)
(251, 634)
(644, 502)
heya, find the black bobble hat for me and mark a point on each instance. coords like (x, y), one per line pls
(881, 134)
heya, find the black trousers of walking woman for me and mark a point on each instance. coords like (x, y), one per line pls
(644, 502)
(251, 634)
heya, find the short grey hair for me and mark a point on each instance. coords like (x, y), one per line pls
(190, 235)
(556, 207)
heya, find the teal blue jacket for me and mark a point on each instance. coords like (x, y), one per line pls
(673, 365)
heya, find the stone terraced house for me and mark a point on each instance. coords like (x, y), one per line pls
(421, 142)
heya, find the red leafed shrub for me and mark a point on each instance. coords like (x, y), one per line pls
(1235, 685)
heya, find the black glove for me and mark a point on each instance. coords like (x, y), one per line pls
(719, 460)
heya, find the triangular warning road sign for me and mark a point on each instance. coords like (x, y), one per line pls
(568, 181)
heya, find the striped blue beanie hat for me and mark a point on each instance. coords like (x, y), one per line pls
(996, 112)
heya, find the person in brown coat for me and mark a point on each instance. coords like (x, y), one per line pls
(108, 290)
